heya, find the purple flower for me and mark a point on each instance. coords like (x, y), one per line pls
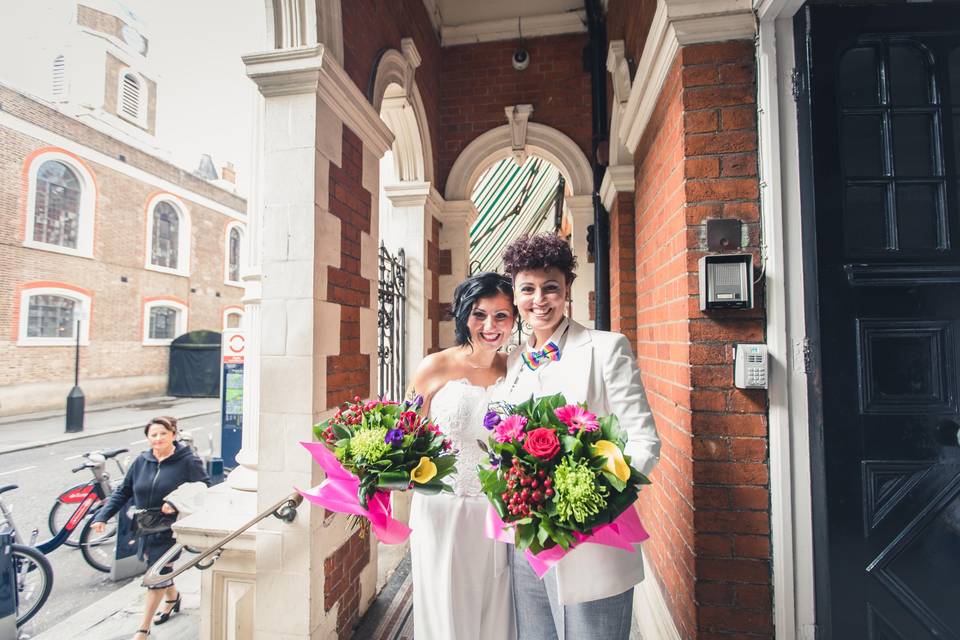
(418, 401)
(394, 437)
(491, 419)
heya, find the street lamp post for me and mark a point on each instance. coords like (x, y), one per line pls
(75, 399)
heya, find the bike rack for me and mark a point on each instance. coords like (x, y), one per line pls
(285, 509)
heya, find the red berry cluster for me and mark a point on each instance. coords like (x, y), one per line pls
(526, 491)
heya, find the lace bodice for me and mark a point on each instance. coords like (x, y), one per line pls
(458, 409)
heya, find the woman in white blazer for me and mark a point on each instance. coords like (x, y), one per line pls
(589, 593)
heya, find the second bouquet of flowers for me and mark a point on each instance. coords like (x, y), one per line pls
(558, 477)
(368, 449)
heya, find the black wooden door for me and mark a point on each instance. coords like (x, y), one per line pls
(883, 85)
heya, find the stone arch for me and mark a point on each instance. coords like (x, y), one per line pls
(305, 23)
(396, 97)
(496, 144)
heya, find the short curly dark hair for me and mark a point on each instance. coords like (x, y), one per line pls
(540, 251)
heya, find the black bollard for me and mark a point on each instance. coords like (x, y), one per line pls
(75, 407)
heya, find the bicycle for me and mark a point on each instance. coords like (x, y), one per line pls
(61, 510)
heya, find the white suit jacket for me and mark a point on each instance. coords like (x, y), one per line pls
(598, 368)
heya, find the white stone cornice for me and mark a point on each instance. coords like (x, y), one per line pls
(306, 70)
(508, 28)
(458, 211)
(410, 52)
(517, 117)
(677, 23)
(284, 72)
(580, 207)
(616, 179)
(408, 194)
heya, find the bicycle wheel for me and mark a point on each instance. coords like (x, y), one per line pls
(34, 577)
(60, 513)
(99, 549)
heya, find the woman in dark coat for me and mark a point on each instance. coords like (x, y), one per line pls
(153, 476)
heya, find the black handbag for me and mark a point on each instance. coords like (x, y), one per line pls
(153, 520)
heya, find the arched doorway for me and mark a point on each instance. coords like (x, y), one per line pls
(487, 173)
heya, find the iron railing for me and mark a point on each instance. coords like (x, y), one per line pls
(391, 323)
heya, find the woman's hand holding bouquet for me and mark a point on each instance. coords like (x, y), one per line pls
(558, 477)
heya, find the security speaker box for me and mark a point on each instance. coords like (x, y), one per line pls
(726, 281)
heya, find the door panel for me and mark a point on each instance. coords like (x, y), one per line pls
(884, 115)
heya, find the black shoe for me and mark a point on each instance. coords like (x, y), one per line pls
(163, 616)
(145, 632)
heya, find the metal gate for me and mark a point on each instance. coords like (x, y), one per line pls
(391, 321)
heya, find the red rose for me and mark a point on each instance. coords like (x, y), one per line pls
(542, 443)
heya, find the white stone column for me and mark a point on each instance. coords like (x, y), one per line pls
(244, 476)
(581, 216)
(457, 218)
(409, 229)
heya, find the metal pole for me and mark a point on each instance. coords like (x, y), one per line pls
(75, 399)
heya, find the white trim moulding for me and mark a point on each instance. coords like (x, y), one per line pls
(507, 29)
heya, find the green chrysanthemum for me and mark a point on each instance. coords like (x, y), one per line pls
(369, 444)
(578, 497)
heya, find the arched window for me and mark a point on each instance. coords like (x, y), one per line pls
(163, 320)
(61, 201)
(233, 252)
(168, 235)
(51, 315)
(131, 101)
(56, 217)
(59, 77)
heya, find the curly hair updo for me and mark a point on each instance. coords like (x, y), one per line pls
(540, 251)
(480, 285)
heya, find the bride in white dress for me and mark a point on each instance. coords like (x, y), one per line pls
(461, 579)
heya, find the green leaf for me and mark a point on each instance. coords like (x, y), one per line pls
(527, 535)
(341, 432)
(571, 444)
(394, 480)
(615, 482)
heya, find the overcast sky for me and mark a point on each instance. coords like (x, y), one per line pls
(195, 47)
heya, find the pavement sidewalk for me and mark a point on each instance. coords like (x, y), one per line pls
(117, 616)
(31, 430)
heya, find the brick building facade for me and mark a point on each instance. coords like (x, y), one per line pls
(708, 117)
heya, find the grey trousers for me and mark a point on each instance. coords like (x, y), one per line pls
(539, 615)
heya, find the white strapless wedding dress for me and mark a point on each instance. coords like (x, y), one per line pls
(461, 578)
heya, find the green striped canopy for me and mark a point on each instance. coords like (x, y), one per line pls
(532, 186)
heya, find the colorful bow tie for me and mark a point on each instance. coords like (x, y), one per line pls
(534, 359)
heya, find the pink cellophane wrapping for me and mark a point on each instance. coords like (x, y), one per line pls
(339, 493)
(622, 533)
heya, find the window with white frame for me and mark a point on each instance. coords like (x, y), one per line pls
(130, 98)
(168, 235)
(52, 316)
(163, 321)
(61, 201)
(233, 252)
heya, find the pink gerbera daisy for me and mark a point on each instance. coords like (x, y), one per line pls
(510, 429)
(577, 418)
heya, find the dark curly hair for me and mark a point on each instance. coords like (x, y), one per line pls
(480, 285)
(540, 251)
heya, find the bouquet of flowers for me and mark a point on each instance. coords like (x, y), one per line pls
(368, 449)
(558, 477)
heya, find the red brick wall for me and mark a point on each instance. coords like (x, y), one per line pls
(708, 509)
(341, 580)
(729, 425)
(372, 26)
(348, 374)
(434, 309)
(116, 323)
(629, 20)
(479, 81)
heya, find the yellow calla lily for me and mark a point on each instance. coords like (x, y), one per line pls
(615, 463)
(424, 471)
